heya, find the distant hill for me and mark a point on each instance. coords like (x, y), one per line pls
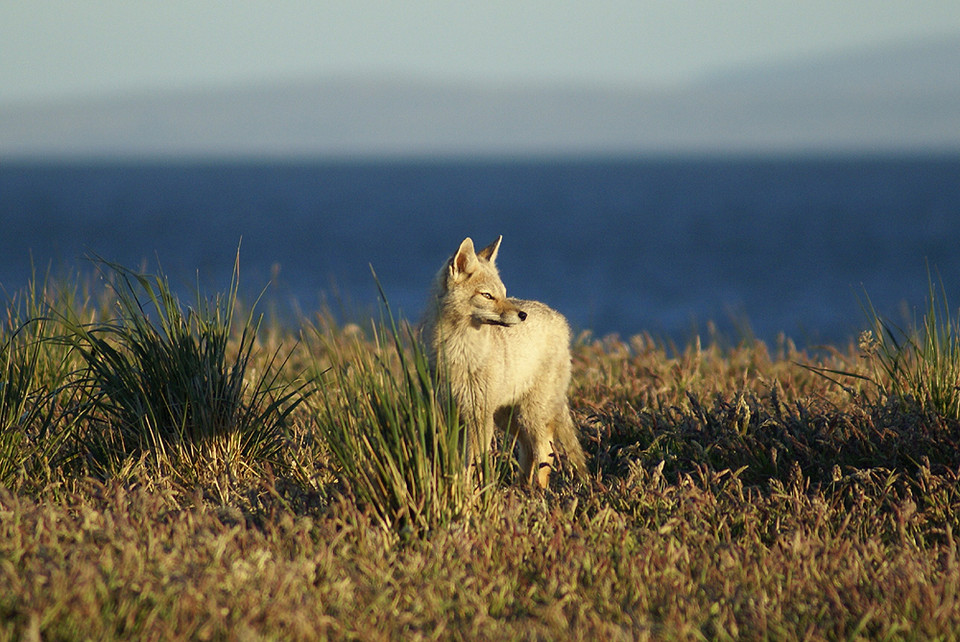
(895, 98)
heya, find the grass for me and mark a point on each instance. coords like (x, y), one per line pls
(165, 385)
(394, 435)
(38, 403)
(168, 475)
(921, 366)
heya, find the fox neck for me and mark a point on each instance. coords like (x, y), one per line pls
(463, 341)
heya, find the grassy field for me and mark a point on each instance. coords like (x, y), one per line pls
(181, 470)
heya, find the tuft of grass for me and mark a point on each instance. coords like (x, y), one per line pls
(917, 368)
(38, 414)
(921, 366)
(394, 430)
(26, 426)
(169, 386)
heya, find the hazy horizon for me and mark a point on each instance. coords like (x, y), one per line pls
(55, 51)
(877, 100)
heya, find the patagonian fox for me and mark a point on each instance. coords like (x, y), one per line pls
(507, 360)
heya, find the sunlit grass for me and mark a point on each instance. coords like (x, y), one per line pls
(922, 365)
(918, 367)
(39, 413)
(395, 437)
(733, 492)
(173, 386)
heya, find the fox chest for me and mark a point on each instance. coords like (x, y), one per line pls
(488, 374)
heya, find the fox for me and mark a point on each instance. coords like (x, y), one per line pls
(507, 361)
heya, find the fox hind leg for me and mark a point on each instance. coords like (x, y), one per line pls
(541, 463)
(533, 453)
(534, 434)
(545, 430)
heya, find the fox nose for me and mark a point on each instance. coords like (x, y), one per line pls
(522, 315)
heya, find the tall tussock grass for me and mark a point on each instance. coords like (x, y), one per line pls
(917, 368)
(920, 366)
(394, 434)
(39, 413)
(173, 387)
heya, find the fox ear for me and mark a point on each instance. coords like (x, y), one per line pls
(490, 252)
(465, 260)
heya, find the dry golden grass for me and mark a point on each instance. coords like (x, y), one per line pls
(734, 493)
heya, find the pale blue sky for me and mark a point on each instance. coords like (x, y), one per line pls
(58, 48)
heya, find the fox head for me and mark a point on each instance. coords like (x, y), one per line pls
(473, 286)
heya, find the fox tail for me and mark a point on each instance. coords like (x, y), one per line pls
(566, 434)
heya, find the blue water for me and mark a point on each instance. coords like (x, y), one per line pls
(658, 245)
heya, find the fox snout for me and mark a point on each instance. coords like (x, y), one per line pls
(512, 316)
(487, 309)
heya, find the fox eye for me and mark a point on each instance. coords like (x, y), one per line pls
(486, 295)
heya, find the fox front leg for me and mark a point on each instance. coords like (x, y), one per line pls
(480, 436)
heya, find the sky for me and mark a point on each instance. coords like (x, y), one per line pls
(52, 49)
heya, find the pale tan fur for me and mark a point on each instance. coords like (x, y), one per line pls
(508, 361)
